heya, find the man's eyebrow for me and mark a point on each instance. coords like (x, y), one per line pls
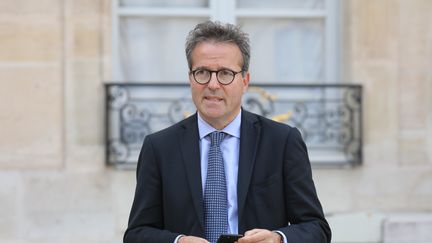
(207, 68)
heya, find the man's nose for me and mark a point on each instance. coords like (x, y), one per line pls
(213, 83)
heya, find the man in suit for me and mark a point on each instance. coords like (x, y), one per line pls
(267, 194)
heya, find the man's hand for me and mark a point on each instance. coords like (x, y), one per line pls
(260, 235)
(191, 239)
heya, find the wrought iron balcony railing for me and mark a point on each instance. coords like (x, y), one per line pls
(328, 116)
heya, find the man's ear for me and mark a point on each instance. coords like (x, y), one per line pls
(190, 79)
(246, 78)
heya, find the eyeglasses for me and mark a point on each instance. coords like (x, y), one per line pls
(223, 76)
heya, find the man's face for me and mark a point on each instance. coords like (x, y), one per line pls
(218, 104)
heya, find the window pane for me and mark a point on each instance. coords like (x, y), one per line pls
(303, 4)
(164, 3)
(286, 50)
(152, 49)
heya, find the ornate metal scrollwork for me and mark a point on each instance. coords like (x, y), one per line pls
(328, 116)
(180, 109)
(117, 97)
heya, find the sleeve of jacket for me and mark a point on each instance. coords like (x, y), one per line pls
(146, 216)
(307, 222)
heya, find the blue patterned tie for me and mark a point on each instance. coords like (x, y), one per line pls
(215, 192)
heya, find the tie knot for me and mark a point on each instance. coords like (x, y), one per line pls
(216, 138)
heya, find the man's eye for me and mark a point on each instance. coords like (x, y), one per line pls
(200, 72)
(225, 72)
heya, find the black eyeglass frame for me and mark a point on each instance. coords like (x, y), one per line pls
(211, 74)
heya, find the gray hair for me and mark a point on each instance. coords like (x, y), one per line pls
(216, 32)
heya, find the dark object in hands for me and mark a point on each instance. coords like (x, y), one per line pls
(228, 238)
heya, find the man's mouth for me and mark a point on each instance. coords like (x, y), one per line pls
(213, 98)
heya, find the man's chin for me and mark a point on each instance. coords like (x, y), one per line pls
(212, 108)
(211, 114)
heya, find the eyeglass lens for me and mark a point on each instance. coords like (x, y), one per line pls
(224, 76)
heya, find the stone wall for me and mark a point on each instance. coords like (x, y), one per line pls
(387, 48)
(55, 187)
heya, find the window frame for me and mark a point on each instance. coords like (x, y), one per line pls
(226, 11)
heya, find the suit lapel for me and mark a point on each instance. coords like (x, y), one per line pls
(189, 142)
(249, 137)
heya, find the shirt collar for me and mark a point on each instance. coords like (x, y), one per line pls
(233, 128)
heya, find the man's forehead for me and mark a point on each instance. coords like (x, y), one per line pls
(217, 50)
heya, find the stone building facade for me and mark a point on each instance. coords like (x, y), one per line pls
(55, 56)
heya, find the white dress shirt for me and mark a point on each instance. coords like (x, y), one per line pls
(230, 148)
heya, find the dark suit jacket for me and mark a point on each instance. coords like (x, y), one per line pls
(275, 188)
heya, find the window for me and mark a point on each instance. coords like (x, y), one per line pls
(294, 60)
(293, 41)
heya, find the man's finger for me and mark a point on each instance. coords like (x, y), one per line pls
(255, 235)
(252, 232)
